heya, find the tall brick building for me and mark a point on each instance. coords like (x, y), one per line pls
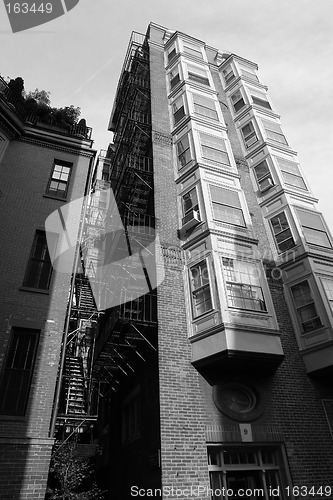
(221, 377)
(42, 167)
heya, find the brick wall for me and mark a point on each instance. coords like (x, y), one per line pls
(24, 175)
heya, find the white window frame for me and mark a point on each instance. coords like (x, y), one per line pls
(235, 209)
(180, 153)
(283, 166)
(286, 230)
(171, 49)
(223, 149)
(264, 181)
(199, 108)
(173, 74)
(195, 48)
(203, 264)
(198, 75)
(229, 74)
(179, 99)
(328, 292)
(195, 207)
(249, 73)
(235, 102)
(251, 138)
(250, 291)
(317, 324)
(275, 133)
(259, 98)
(310, 230)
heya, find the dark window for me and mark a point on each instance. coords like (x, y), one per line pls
(172, 54)
(237, 101)
(261, 102)
(226, 206)
(205, 107)
(263, 176)
(39, 270)
(131, 417)
(214, 148)
(174, 77)
(305, 307)
(59, 180)
(228, 75)
(17, 372)
(178, 110)
(184, 150)
(283, 237)
(249, 134)
(243, 285)
(201, 296)
(190, 202)
(314, 229)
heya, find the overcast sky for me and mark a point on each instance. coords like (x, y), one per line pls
(78, 58)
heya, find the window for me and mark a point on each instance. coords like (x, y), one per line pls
(237, 101)
(214, 149)
(305, 307)
(240, 469)
(291, 173)
(131, 417)
(263, 175)
(178, 109)
(274, 132)
(190, 202)
(17, 372)
(197, 75)
(205, 107)
(282, 234)
(174, 77)
(226, 206)
(192, 49)
(314, 229)
(260, 99)
(59, 180)
(39, 270)
(171, 54)
(243, 285)
(184, 151)
(328, 408)
(228, 74)
(249, 135)
(200, 289)
(328, 287)
(250, 73)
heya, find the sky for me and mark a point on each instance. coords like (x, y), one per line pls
(78, 58)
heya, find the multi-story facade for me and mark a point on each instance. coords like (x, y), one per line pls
(221, 376)
(42, 168)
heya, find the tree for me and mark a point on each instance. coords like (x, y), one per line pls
(71, 477)
(42, 97)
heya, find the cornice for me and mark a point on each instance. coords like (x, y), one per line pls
(57, 147)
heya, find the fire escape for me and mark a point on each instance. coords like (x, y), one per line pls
(127, 330)
(107, 337)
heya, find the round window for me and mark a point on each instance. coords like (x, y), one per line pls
(237, 401)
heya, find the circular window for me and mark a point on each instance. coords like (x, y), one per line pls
(237, 401)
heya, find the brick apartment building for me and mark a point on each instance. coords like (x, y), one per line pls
(42, 167)
(221, 377)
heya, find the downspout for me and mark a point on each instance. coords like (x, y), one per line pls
(66, 328)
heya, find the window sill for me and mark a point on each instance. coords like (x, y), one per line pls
(34, 290)
(54, 197)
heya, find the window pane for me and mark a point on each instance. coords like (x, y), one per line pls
(221, 195)
(184, 151)
(205, 106)
(305, 306)
(328, 287)
(192, 49)
(316, 237)
(58, 183)
(261, 170)
(228, 75)
(250, 75)
(16, 377)
(261, 102)
(190, 201)
(214, 148)
(39, 268)
(243, 285)
(201, 295)
(274, 131)
(293, 180)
